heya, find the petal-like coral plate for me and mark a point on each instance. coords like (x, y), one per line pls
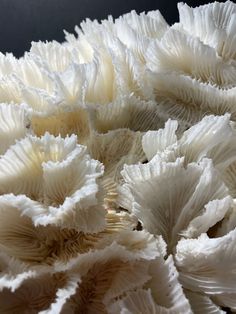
(162, 293)
(54, 181)
(170, 199)
(202, 263)
(105, 275)
(214, 24)
(43, 245)
(213, 137)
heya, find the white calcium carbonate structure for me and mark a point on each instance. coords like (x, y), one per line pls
(118, 168)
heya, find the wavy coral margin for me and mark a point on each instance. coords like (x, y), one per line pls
(118, 168)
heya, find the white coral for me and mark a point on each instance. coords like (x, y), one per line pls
(53, 181)
(193, 64)
(78, 233)
(171, 200)
(202, 263)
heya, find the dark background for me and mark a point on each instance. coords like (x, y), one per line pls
(23, 21)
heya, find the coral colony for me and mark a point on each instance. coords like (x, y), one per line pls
(118, 168)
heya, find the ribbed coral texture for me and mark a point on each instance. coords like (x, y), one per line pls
(118, 168)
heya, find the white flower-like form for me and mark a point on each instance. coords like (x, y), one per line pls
(97, 276)
(136, 32)
(204, 139)
(108, 75)
(49, 93)
(213, 137)
(171, 199)
(193, 64)
(58, 57)
(214, 24)
(73, 82)
(27, 81)
(77, 234)
(149, 25)
(202, 263)
(113, 258)
(27, 70)
(43, 245)
(186, 57)
(119, 47)
(65, 102)
(96, 68)
(53, 181)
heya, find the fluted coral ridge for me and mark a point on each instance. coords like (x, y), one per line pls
(118, 167)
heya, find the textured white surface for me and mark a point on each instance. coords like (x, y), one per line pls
(118, 168)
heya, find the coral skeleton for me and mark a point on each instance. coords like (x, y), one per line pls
(118, 168)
